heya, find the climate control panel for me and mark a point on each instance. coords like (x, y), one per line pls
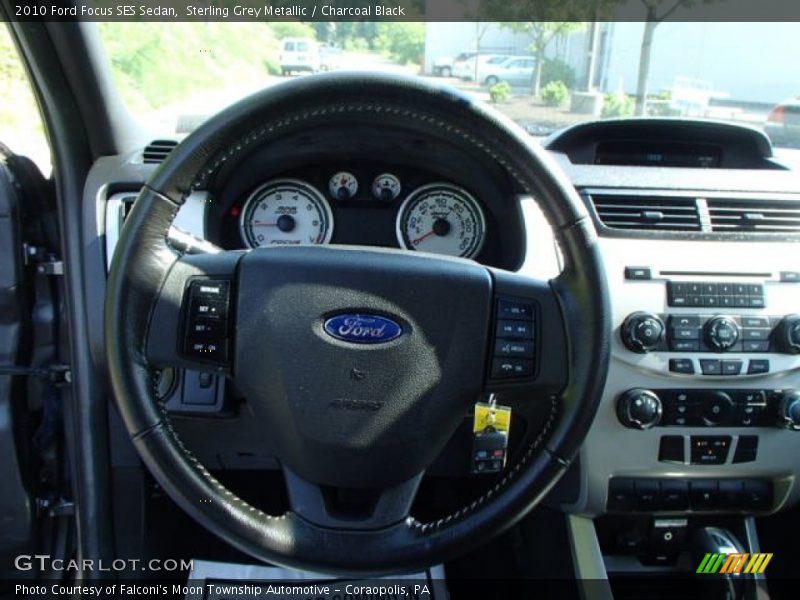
(643, 409)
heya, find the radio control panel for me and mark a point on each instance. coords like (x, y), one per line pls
(708, 332)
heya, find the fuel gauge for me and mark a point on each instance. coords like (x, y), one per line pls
(386, 187)
(343, 185)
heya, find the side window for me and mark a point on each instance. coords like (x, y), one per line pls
(302, 47)
(21, 126)
(289, 46)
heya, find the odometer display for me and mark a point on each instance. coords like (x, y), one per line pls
(286, 212)
(443, 219)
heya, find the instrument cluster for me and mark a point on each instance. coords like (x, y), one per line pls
(373, 207)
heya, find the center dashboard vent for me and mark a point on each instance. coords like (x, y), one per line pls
(647, 213)
(754, 216)
(157, 151)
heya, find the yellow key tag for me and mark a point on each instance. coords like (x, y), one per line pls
(491, 415)
(490, 437)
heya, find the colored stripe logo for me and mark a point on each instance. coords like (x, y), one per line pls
(728, 564)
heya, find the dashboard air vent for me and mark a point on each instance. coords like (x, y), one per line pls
(158, 150)
(647, 213)
(754, 216)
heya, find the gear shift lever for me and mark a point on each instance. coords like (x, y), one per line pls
(715, 540)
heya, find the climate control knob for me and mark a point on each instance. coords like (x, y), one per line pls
(642, 331)
(789, 410)
(639, 409)
(787, 334)
(717, 408)
(721, 333)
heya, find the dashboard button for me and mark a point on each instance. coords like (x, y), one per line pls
(731, 367)
(790, 276)
(753, 346)
(508, 309)
(758, 366)
(731, 493)
(709, 450)
(754, 321)
(681, 365)
(621, 494)
(755, 333)
(638, 273)
(513, 348)
(670, 449)
(203, 348)
(703, 494)
(647, 493)
(746, 449)
(757, 302)
(208, 327)
(694, 301)
(685, 345)
(756, 495)
(511, 367)
(741, 301)
(755, 289)
(674, 494)
(711, 301)
(676, 321)
(515, 329)
(686, 333)
(710, 366)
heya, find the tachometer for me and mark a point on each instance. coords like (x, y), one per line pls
(286, 212)
(443, 219)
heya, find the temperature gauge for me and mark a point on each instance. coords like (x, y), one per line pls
(343, 186)
(386, 187)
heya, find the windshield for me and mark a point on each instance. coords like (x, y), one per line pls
(545, 76)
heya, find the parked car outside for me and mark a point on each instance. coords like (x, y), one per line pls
(517, 71)
(783, 123)
(299, 54)
(466, 69)
(446, 66)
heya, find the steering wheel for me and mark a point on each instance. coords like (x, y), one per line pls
(362, 418)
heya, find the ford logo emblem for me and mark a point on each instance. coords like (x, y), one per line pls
(362, 329)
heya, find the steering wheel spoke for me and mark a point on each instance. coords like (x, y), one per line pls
(192, 322)
(350, 509)
(527, 342)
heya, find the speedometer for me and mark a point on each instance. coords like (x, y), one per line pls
(443, 219)
(286, 212)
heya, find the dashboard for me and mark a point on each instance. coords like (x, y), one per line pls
(700, 411)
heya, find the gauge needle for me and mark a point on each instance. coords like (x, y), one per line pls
(265, 224)
(419, 239)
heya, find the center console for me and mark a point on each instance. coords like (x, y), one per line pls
(699, 426)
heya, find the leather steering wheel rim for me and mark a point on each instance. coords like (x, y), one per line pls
(144, 258)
